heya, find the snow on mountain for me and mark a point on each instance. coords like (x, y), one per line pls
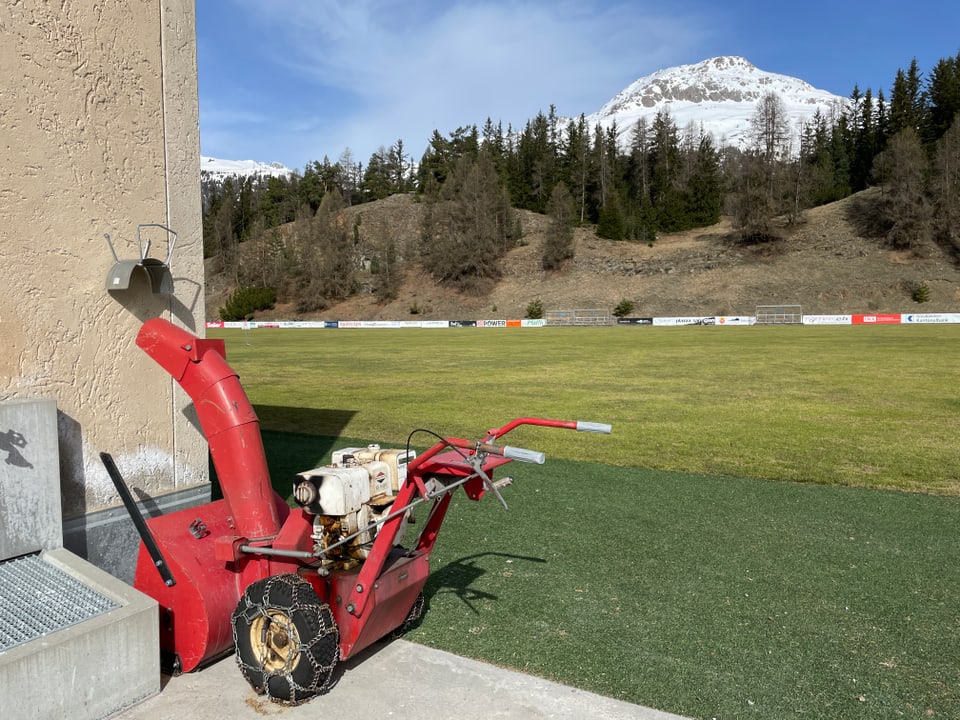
(217, 169)
(721, 94)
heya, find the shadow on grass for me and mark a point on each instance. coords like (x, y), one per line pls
(311, 421)
(295, 439)
(457, 577)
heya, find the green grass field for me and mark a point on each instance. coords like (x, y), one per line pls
(859, 406)
(663, 564)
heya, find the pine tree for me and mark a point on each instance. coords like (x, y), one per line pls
(379, 177)
(389, 271)
(863, 139)
(610, 222)
(704, 186)
(575, 164)
(558, 244)
(313, 184)
(665, 168)
(397, 167)
(906, 101)
(943, 98)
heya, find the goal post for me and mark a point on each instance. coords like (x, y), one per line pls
(779, 315)
(578, 317)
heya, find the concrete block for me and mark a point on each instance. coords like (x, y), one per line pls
(29, 477)
(92, 669)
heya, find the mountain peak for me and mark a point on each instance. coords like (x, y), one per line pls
(720, 94)
(218, 169)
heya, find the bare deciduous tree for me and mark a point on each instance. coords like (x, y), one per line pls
(473, 225)
(903, 168)
(946, 185)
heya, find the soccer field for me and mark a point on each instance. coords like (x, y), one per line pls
(662, 564)
(855, 406)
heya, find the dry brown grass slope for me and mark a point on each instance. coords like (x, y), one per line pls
(823, 264)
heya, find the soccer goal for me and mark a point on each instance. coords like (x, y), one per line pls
(779, 315)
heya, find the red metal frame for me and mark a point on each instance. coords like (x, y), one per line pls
(212, 550)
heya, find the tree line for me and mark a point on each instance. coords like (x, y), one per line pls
(656, 178)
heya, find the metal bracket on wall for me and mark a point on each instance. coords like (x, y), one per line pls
(161, 281)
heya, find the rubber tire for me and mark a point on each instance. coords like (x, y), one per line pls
(285, 607)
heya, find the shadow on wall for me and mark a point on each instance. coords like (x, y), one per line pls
(11, 443)
(70, 441)
(144, 285)
(294, 440)
(140, 300)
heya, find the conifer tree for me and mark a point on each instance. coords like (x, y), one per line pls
(575, 164)
(943, 98)
(610, 224)
(389, 271)
(906, 101)
(665, 167)
(704, 186)
(558, 244)
(378, 176)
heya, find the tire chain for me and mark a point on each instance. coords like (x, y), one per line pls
(256, 602)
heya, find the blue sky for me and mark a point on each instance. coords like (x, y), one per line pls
(296, 80)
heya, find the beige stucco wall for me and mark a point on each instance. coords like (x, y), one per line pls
(99, 132)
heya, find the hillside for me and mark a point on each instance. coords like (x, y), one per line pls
(823, 264)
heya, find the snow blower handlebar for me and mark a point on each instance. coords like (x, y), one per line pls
(578, 425)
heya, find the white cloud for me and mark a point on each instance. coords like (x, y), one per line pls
(367, 72)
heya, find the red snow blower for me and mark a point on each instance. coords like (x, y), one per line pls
(294, 591)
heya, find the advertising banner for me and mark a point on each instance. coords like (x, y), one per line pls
(674, 321)
(827, 319)
(861, 319)
(880, 319)
(931, 318)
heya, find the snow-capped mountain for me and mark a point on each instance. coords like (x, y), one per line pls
(219, 170)
(721, 94)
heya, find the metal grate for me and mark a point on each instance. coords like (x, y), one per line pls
(37, 599)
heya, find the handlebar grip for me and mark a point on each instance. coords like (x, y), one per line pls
(592, 427)
(524, 455)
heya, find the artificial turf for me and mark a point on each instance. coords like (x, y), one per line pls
(707, 596)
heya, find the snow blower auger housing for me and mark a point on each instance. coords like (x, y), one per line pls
(294, 591)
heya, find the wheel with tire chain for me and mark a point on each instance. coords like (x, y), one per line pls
(286, 640)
